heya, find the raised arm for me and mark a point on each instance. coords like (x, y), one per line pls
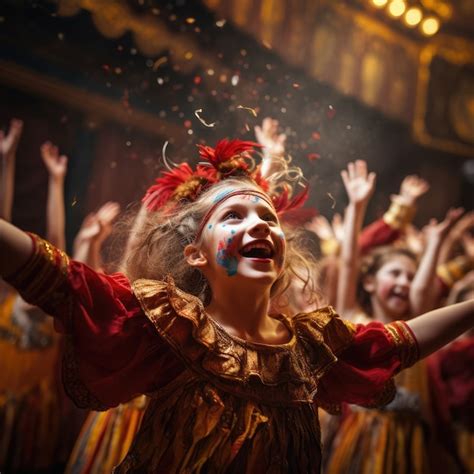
(359, 187)
(438, 327)
(55, 212)
(400, 214)
(95, 229)
(273, 146)
(8, 146)
(422, 294)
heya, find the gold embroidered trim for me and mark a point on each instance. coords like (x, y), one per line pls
(452, 271)
(399, 215)
(405, 341)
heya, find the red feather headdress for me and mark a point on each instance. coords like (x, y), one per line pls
(181, 183)
(229, 158)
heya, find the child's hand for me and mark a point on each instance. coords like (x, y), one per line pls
(467, 241)
(268, 136)
(412, 188)
(359, 185)
(9, 142)
(105, 217)
(55, 164)
(324, 230)
(415, 239)
(435, 230)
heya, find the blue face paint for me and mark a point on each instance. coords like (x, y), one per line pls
(222, 195)
(209, 226)
(227, 256)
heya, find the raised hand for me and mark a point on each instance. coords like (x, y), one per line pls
(268, 136)
(326, 230)
(55, 164)
(105, 218)
(439, 230)
(9, 142)
(359, 185)
(412, 188)
(415, 239)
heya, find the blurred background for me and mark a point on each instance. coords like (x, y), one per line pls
(111, 81)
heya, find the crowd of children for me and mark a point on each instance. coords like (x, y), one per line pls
(223, 344)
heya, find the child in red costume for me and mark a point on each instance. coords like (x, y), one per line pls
(232, 386)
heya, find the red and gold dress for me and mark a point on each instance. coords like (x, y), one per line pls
(217, 403)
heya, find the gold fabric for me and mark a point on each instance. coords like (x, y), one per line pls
(239, 406)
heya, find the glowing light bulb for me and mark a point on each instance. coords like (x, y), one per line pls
(430, 26)
(413, 16)
(397, 8)
(379, 3)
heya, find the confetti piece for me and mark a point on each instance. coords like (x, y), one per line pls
(333, 200)
(331, 112)
(159, 62)
(313, 156)
(190, 20)
(74, 201)
(234, 80)
(252, 111)
(199, 111)
(247, 127)
(316, 136)
(220, 23)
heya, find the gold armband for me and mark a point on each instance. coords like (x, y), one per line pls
(399, 215)
(452, 271)
(330, 247)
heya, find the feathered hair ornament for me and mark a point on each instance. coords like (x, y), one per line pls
(229, 158)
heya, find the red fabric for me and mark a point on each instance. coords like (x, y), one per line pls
(363, 369)
(376, 234)
(454, 368)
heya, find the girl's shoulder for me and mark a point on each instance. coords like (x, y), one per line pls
(290, 371)
(324, 325)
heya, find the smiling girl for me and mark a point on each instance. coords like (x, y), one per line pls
(232, 387)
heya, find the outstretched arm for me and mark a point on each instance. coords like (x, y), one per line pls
(55, 213)
(437, 328)
(8, 146)
(15, 248)
(359, 186)
(422, 288)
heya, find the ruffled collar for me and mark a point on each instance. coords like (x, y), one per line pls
(293, 368)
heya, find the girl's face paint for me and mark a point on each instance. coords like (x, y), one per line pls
(239, 221)
(227, 255)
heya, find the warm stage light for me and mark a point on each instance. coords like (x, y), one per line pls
(397, 8)
(379, 3)
(413, 16)
(430, 26)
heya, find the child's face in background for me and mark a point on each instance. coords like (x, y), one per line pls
(391, 286)
(243, 239)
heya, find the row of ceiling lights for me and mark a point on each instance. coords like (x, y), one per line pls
(412, 16)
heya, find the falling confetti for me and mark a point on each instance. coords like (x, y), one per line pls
(220, 23)
(333, 205)
(159, 62)
(313, 156)
(316, 136)
(331, 112)
(190, 20)
(74, 201)
(199, 111)
(252, 111)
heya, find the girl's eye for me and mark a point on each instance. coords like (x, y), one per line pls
(269, 218)
(231, 215)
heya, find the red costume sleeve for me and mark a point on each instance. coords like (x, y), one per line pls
(114, 353)
(376, 234)
(364, 368)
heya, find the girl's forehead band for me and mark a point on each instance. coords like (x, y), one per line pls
(223, 196)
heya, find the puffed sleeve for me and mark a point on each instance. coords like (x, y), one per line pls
(113, 352)
(366, 357)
